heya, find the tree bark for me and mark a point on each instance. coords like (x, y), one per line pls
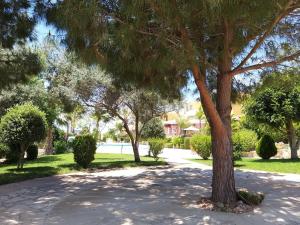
(218, 116)
(49, 143)
(134, 143)
(292, 137)
(223, 183)
(23, 149)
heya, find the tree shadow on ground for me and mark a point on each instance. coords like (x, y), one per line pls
(26, 173)
(169, 196)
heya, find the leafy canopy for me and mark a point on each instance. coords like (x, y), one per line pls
(277, 100)
(23, 124)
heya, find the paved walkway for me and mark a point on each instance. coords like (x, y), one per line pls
(143, 196)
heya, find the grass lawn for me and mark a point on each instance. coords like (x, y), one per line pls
(64, 163)
(271, 165)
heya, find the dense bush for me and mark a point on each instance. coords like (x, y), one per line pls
(187, 142)
(58, 134)
(3, 150)
(201, 144)
(61, 147)
(154, 128)
(156, 147)
(32, 152)
(84, 147)
(237, 152)
(21, 126)
(177, 141)
(266, 147)
(246, 139)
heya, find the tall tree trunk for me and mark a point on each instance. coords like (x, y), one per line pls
(292, 137)
(49, 142)
(134, 143)
(223, 182)
(136, 153)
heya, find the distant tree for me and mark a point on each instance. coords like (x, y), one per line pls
(277, 103)
(33, 91)
(22, 126)
(154, 128)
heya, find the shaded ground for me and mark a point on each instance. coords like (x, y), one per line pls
(165, 195)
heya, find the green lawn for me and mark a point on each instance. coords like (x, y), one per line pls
(64, 163)
(271, 165)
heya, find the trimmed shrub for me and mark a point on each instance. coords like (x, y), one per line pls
(156, 147)
(201, 144)
(61, 147)
(187, 143)
(32, 152)
(266, 147)
(246, 139)
(23, 125)
(3, 150)
(84, 147)
(177, 142)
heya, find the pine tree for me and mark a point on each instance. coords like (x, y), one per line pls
(157, 43)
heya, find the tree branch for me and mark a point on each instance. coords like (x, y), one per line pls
(286, 11)
(265, 64)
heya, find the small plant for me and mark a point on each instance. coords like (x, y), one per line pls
(156, 147)
(61, 147)
(21, 126)
(201, 144)
(266, 147)
(32, 152)
(84, 147)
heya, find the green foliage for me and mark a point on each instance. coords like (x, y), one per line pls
(266, 147)
(33, 91)
(237, 152)
(156, 147)
(58, 134)
(84, 150)
(32, 152)
(16, 23)
(187, 142)
(177, 141)
(3, 150)
(246, 139)
(61, 146)
(23, 124)
(201, 144)
(153, 129)
(12, 155)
